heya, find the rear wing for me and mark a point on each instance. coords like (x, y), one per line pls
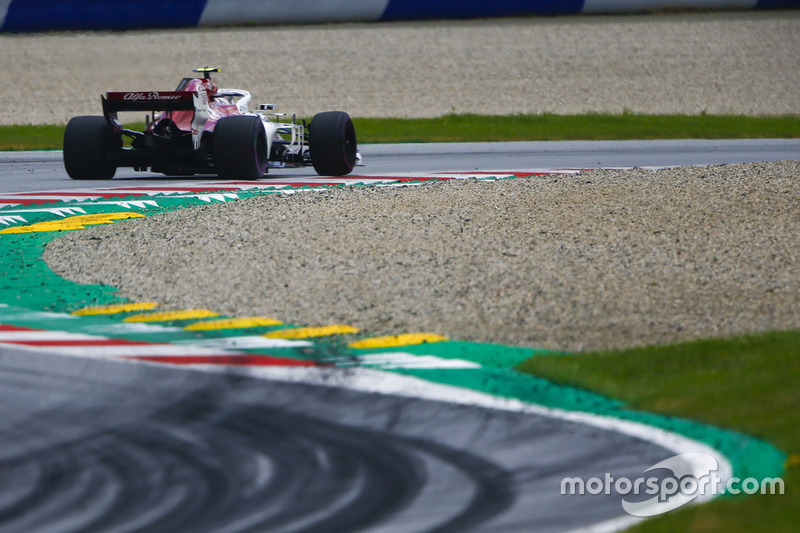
(160, 101)
(147, 101)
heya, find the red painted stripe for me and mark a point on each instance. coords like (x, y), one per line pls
(56, 193)
(312, 184)
(8, 327)
(110, 193)
(356, 177)
(232, 360)
(516, 174)
(28, 201)
(405, 180)
(82, 342)
(353, 179)
(178, 189)
(70, 196)
(239, 183)
(267, 184)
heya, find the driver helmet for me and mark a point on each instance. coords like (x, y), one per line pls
(210, 87)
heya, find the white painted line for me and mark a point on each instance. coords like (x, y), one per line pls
(131, 327)
(44, 335)
(390, 360)
(131, 350)
(245, 343)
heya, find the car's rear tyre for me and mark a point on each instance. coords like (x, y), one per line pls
(332, 143)
(240, 147)
(89, 148)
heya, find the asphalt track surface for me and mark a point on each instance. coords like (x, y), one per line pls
(38, 171)
(95, 445)
(92, 445)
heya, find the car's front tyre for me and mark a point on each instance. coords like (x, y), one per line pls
(332, 143)
(240, 147)
(89, 148)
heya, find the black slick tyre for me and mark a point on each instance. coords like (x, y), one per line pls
(89, 148)
(240, 147)
(332, 143)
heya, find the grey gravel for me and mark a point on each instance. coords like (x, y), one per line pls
(576, 262)
(741, 63)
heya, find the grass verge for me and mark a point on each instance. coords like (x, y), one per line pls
(47, 137)
(547, 127)
(747, 384)
(466, 128)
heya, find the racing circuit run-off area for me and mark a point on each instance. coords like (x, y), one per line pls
(191, 420)
(216, 316)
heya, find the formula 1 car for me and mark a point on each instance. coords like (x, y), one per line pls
(202, 129)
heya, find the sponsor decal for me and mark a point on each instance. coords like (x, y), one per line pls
(152, 96)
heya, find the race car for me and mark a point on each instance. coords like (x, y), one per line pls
(201, 129)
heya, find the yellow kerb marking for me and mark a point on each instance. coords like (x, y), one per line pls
(72, 223)
(303, 333)
(392, 341)
(233, 323)
(165, 316)
(114, 309)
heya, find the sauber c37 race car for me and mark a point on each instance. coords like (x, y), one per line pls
(202, 129)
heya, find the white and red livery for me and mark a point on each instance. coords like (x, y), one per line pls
(201, 129)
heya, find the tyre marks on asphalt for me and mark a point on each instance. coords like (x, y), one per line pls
(110, 449)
